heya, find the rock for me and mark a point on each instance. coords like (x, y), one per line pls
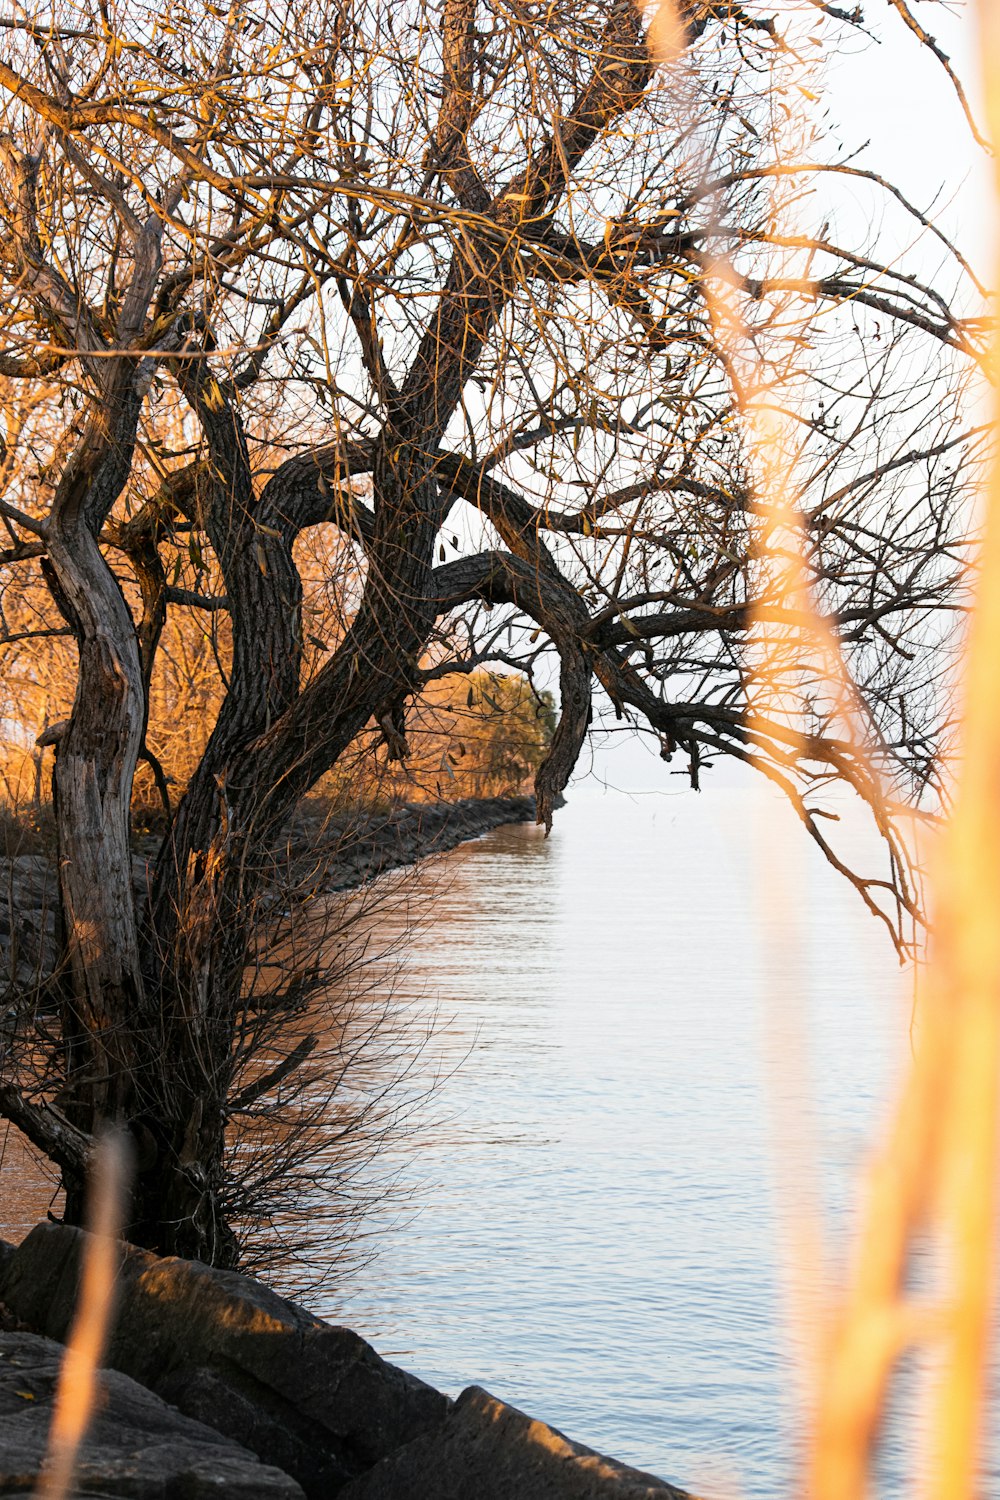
(137, 1447)
(31, 878)
(487, 1450)
(315, 1400)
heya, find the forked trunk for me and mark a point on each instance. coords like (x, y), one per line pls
(131, 1061)
(96, 756)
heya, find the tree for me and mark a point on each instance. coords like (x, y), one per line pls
(435, 277)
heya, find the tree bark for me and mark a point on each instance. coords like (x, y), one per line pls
(92, 782)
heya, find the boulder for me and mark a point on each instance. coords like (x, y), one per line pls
(487, 1450)
(137, 1447)
(312, 1399)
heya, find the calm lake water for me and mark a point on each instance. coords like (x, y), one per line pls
(638, 1052)
(640, 1072)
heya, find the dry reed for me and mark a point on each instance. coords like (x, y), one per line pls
(936, 1170)
(78, 1389)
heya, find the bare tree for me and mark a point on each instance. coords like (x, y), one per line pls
(433, 275)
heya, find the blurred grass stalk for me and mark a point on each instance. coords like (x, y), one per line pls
(965, 975)
(78, 1391)
(937, 1169)
(935, 1173)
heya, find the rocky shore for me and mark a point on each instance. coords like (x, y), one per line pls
(353, 849)
(216, 1386)
(323, 851)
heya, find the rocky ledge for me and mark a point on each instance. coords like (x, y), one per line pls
(217, 1386)
(136, 1445)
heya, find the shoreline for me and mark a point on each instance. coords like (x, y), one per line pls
(213, 1384)
(368, 845)
(344, 850)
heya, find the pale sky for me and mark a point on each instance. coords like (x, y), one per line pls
(897, 96)
(894, 96)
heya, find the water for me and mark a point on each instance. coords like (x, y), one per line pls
(597, 1228)
(29, 1190)
(633, 1059)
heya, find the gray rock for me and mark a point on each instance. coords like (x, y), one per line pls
(487, 1450)
(137, 1447)
(31, 878)
(315, 1400)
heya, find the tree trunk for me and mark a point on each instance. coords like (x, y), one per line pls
(177, 1195)
(92, 785)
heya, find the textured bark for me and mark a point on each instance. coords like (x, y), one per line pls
(94, 767)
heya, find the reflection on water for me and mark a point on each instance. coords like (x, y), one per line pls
(595, 1227)
(27, 1191)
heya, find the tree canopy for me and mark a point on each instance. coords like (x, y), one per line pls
(433, 283)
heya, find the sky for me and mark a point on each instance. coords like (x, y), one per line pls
(890, 101)
(896, 97)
